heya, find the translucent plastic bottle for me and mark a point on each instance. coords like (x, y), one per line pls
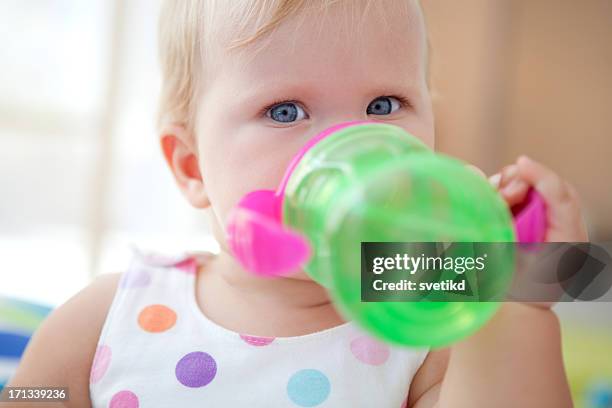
(373, 182)
(376, 183)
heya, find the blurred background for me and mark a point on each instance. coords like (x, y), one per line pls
(533, 77)
(82, 178)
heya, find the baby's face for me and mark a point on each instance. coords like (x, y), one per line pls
(261, 108)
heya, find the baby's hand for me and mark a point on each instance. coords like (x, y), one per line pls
(563, 213)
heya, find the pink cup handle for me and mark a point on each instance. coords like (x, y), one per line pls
(530, 218)
(260, 242)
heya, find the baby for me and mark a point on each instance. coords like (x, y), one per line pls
(246, 83)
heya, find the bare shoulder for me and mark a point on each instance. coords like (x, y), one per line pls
(425, 386)
(61, 351)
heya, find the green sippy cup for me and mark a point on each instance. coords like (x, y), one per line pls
(372, 182)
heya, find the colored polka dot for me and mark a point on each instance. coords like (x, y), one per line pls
(308, 388)
(136, 277)
(124, 399)
(196, 369)
(369, 351)
(189, 266)
(156, 318)
(100, 363)
(257, 341)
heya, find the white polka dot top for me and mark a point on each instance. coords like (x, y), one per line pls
(157, 349)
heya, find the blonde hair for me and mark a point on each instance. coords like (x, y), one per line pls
(191, 31)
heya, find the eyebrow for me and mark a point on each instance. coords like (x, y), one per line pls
(277, 90)
(303, 90)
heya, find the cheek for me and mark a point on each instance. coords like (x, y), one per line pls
(240, 164)
(429, 139)
(421, 130)
(422, 127)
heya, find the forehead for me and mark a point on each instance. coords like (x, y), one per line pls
(373, 41)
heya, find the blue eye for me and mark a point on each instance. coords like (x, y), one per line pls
(286, 112)
(384, 105)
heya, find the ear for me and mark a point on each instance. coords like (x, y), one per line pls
(181, 155)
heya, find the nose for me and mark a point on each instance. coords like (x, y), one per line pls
(339, 121)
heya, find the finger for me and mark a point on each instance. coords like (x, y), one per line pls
(508, 174)
(515, 192)
(546, 181)
(561, 199)
(495, 180)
